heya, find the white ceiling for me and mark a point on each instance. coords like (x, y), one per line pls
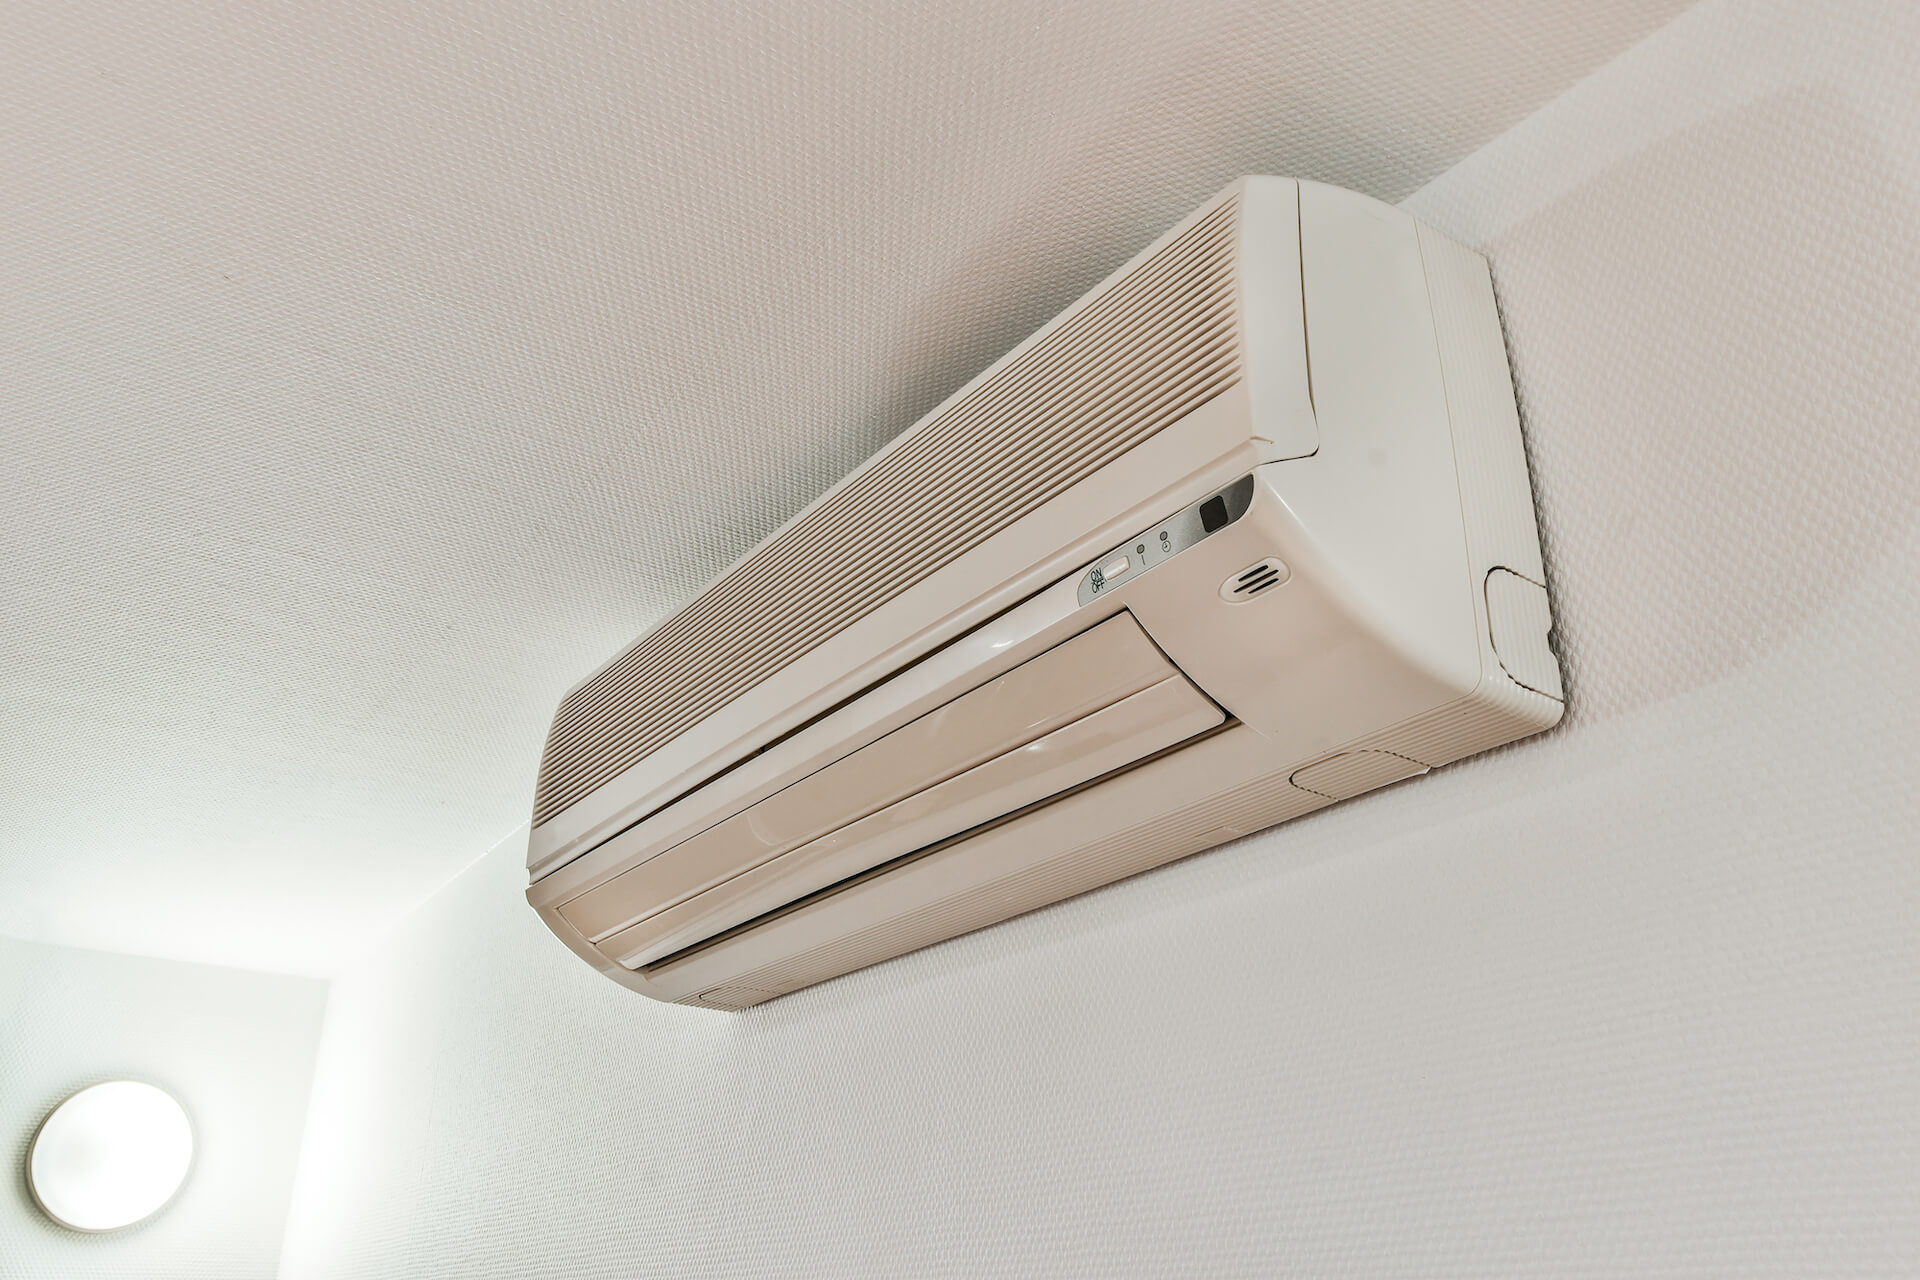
(371, 371)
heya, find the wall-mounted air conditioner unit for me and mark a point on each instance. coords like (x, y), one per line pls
(1245, 531)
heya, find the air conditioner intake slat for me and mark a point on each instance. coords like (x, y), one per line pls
(1158, 343)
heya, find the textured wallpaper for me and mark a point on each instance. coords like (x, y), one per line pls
(372, 370)
(237, 1050)
(1638, 998)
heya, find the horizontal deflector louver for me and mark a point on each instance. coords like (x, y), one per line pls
(1159, 716)
(1092, 670)
(1158, 343)
(982, 877)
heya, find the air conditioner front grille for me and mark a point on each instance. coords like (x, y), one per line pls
(1152, 347)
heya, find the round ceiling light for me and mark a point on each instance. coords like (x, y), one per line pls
(110, 1156)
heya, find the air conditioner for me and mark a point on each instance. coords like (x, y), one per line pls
(1247, 530)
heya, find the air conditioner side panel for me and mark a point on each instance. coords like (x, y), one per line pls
(1499, 524)
(1496, 488)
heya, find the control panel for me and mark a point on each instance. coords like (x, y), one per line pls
(1166, 539)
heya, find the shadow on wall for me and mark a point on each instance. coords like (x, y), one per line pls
(1750, 315)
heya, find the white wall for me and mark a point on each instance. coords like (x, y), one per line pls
(236, 1048)
(1639, 997)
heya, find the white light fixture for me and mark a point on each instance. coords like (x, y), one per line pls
(110, 1156)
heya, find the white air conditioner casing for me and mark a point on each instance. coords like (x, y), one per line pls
(1245, 531)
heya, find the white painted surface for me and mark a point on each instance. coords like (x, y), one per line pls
(374, 370)
(235, 1048)
(1639, 998)
(111, 1155)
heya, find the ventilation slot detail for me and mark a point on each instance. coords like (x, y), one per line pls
(1253, 580)
(1155, 345)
